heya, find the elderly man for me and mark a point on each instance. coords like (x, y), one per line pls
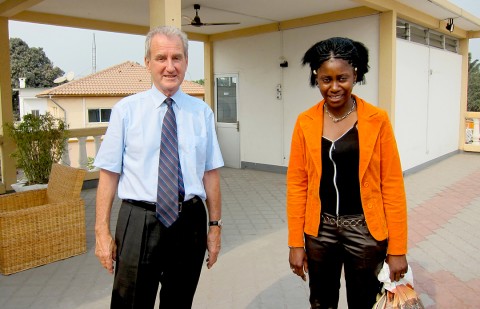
(162, 155)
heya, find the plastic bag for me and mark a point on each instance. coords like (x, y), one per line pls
(399, 294)
(402, 297)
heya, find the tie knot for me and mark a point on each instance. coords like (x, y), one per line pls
(169, 102)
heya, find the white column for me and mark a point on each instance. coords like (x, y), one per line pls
(66, 155)
(82, 152)
(98, 142)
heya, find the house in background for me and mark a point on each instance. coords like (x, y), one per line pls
(28, 102)
(88, 101)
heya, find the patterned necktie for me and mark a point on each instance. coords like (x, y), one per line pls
(170, 187)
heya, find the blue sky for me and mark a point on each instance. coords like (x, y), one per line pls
(71, 49)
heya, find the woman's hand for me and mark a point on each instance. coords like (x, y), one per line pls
(398, 266)
(298, 262)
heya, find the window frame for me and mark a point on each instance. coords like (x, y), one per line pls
(99, 116)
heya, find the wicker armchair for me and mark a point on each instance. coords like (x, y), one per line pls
(42, 226)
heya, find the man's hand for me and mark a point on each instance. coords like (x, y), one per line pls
(298, 262)
(105, 250)
(214, 243)
(211, 182)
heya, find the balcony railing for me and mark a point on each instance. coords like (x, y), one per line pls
(472, 133)
(82, 145)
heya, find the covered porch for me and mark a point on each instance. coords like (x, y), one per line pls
(255, 18)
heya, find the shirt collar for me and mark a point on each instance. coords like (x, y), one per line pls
(160, 97)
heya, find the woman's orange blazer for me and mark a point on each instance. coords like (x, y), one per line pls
(380, 175)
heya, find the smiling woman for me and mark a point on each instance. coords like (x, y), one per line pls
(345, 189)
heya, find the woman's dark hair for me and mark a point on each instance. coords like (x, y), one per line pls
(338, 48)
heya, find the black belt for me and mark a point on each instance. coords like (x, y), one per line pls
(152, 205)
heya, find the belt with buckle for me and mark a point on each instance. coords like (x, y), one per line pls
(151, 206)
(344, 221)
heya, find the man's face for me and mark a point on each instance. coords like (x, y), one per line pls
(167, 63)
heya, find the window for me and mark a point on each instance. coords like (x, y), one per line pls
(418, 34)
(436, 40)
(451, 44)
(35, 112)
(403, 30)
(99, 115)
(226, 99)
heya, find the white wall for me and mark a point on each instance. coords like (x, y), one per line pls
(266, 124)
(256, 60)
(427, 112)
(28, 101)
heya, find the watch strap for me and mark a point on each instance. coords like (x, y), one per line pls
(215, 223)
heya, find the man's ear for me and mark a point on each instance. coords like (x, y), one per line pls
(147, 63)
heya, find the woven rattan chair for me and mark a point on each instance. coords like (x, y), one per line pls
(42, 226)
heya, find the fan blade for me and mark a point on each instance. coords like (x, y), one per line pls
(196, 22)
(219, 24)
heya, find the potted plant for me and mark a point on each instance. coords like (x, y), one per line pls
(40, 142)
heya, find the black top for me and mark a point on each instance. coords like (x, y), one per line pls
(340, 185)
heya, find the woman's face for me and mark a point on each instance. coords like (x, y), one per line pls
(335, 79)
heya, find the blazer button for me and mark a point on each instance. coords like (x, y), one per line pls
(365, 184)
(370, 206)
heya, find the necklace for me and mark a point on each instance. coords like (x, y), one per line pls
(335, 119)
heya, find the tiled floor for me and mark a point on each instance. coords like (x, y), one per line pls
(253, 272)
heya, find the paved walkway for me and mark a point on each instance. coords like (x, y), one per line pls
(253, 272)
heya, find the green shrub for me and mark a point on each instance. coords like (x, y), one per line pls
(90, 162)
(40, 142)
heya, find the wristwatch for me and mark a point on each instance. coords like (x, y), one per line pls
(218, 223)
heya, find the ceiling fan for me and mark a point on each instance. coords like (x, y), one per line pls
(196, 22)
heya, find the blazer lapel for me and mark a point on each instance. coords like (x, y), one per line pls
(368, 130)
(312, 129)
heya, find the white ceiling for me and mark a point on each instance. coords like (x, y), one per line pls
(248, 12)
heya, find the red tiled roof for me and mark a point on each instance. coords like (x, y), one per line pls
(120, 80)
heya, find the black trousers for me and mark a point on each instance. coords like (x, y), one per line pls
(352, 247)
(149, 254)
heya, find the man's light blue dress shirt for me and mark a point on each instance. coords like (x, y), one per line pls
(131, 145)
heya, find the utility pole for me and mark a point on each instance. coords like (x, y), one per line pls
(94, 55)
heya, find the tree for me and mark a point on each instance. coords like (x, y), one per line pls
(473, 100)
(40, 142)
(200, 81)
(31, 63)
